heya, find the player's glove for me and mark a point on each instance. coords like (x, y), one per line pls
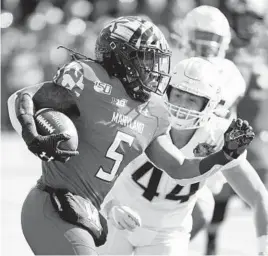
(237, 138)
(123, 217)
(46, 148)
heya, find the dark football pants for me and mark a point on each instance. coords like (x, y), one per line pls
(47, 234)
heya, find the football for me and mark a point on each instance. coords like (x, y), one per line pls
(49, 121)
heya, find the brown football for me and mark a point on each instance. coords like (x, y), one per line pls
(49, 121)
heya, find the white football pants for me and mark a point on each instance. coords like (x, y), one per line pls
(142, 241)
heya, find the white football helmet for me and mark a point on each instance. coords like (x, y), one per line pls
(199, 77)
(206, 32)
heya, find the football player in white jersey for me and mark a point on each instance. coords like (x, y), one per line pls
(163, 206)
(206, 33)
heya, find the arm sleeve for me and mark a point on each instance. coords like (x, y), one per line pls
(163, 154)
(12, 113)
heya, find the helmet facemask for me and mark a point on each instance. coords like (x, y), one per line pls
(197, 95)
(146, 70)
(183, 118)
(206, 44)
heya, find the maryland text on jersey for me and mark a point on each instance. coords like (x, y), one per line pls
(127, 121)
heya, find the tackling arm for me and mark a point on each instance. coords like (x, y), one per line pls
(166, 156)
(169, 158)
(247, 184)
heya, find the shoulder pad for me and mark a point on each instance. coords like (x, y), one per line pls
(94, 71)
(71, 77)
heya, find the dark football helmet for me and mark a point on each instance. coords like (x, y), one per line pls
(135, 51)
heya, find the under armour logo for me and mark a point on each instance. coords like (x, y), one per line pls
(44, 156)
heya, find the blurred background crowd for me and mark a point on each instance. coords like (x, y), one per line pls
(33, 29)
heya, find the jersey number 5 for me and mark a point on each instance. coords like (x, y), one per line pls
(117, 157)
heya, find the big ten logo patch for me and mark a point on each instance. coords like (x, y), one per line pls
(102, 87)
(119, 102)
(71, 77)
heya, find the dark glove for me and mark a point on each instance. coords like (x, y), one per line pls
(46, 148)
(80, 212)
(237, 138)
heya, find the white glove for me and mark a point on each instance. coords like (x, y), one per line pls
(123, 217)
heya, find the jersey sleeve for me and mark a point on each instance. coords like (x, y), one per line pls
(12, 113)
(71, 77)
